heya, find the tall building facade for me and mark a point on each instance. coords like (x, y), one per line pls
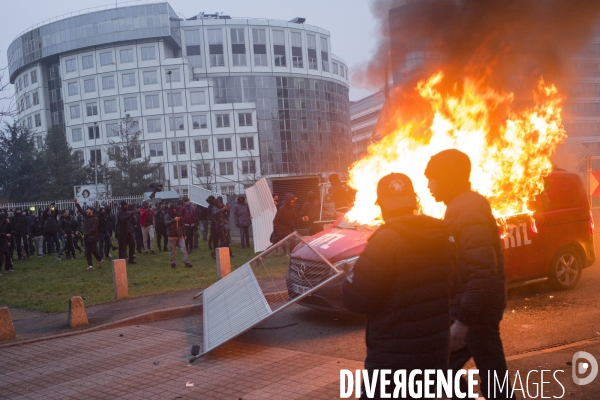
(220, 101)
(364, 114)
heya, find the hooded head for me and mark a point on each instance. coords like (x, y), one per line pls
(448, 172)
(124, 205)
(310, 196)
(241, 199)
(290, 200)
(173, 209)
(396, 195)
(210, 200)
(218, 200)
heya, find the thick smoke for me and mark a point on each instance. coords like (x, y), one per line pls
(506, 44)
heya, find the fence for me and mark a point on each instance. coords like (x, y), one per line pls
(38, 206)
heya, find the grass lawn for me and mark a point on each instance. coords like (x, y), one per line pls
(47, 284)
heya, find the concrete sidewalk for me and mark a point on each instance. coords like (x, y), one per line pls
(31, 325)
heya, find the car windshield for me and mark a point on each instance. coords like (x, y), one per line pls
(347, 224)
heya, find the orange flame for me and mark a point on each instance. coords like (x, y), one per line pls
(507, 167)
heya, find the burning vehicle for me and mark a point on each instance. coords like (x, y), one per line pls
(543, 213)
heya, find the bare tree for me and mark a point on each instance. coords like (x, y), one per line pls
(252, 171)
(206, 175)
(7, 99)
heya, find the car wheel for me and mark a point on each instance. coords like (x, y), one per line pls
(565, 269)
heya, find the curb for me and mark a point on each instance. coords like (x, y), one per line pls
(153, 316)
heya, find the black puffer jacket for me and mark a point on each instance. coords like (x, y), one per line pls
(480, 278)
(174, 228)
(20, 225)
(283, 223)
(125, 222)
(402, 282)
(241, 214)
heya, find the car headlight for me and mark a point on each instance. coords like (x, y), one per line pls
(346, 265)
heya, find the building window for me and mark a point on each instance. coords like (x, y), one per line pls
(248, 167)
(29, 123)
(335, 68)
(33, 77)
(36, 98)
(156, 149)
(91, 109)
(215, 47)
(135, 152)
(148, 53)
(39, 141)
(177, 169)
(108, 82)
(311, 45)
(126, 56)
(199, 122)
(79, 156)
(203, 169)
(128, 79)
(96, 156)
(106, 58)
(89, 85)
(297, 50)
(130, 103)
(87, 62)
(197, 98)
(245, 119)
(260, 47)
(75, 112)
(27, 101)
(26, 80)
(72, 88)
(175, 76)
(174, 99)
(247, 143)
(238, 47)
(93, 132)
(226, 168)
(222, 120)
(201, 146)
(279, 48)
(76, 135)
(150, 77)
(224, 144)
(324, 55)
(110, 106)
(181, 147)
(38, 120)
(192, 47)
(112, 130)
(71, 65)
(176, 122)
(152, 101)
(154, 125)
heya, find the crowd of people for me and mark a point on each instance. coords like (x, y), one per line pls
(144, 228)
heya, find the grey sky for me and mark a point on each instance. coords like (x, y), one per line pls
(353, 28)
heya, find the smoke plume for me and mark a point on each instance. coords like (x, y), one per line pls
(506, 44)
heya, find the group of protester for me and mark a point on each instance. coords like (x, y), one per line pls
(169, 226)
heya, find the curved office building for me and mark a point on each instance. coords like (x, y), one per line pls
(220, 101)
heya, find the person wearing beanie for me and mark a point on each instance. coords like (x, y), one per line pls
(213, 237)
(125, 230)
(311, 208)
(90, 235)
(242, 220)
(480, 292)
(402, 282)
(176, 234)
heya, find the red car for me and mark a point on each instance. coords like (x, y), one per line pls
(555, 243)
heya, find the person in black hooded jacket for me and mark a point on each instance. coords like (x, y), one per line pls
(90, 235)
(21, 233)
(125, 229)
(480, 298)
(283, 223)
(5, 236)
(402, 281)
(213, 237)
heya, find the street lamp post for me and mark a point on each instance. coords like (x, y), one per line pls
(96, 158)
(170, 74)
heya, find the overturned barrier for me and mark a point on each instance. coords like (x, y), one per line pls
(262, 287)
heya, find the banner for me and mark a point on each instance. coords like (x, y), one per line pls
(86, 195)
